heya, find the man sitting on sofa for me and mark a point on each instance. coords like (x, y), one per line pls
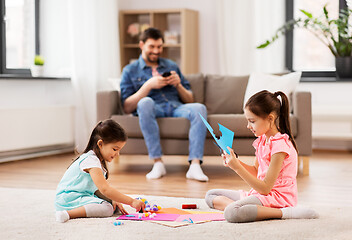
(153, 87)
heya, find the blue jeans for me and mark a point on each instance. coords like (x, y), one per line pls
(148, 111)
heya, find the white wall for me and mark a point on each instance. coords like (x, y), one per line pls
(35, 113)
(207, 25)
(329, 94)
(332, 114)
(33, 93)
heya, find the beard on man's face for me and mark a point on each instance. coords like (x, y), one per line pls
(153, 57)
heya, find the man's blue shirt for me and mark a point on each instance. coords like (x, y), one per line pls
(134, 75)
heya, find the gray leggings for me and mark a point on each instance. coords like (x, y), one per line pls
(241, 210)
(103, 209)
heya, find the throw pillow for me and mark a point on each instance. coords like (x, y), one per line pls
(260, 81)
(224, 94)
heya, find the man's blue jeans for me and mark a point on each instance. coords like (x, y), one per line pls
(148, 111)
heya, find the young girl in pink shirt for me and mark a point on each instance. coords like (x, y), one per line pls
(273, 176)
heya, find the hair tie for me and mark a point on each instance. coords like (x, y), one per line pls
(280, 99)
(278, 96)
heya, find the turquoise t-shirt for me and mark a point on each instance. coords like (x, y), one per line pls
(76, 187)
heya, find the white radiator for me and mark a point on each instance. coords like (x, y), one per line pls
(36, 128)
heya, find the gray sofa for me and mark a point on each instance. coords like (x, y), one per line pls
(223, 96)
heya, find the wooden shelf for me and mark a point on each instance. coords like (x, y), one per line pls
(184, 22)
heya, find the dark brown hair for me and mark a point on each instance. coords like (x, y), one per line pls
(264, 102)
(108, 131)
(152, 33)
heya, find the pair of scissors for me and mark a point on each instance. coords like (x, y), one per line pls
(221, 151)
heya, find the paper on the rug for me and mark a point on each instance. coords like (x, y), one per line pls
(157, 217)
(176, 224)
(201, 217)
(200, 212)
(185, 216)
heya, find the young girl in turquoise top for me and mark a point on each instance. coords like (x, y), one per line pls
(83, 190)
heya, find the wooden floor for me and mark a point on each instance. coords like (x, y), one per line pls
(329, 182)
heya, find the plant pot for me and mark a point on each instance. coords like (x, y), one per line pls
(37, 70)
(343, 67)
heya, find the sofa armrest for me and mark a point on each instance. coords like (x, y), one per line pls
(302, 109)
(108, 104)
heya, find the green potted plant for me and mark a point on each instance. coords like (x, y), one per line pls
(333, 33)
(38, 67)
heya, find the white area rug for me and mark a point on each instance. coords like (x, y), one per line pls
(29, 214)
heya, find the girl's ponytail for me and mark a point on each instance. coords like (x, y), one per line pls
(94, 137)
(284, 116)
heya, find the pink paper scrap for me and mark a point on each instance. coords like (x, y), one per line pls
(158, 217)
(201, 217)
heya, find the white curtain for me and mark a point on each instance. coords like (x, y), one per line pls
(241, 27)
(94, 57)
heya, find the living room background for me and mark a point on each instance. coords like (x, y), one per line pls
(57, 41)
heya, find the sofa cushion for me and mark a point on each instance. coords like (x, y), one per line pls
(225, 94)
(197, 85)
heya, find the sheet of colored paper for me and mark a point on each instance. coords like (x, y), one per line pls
(201, 217)
(158, 217)
(176, 224)
(172, 211)
(201, 212)
(225, 140)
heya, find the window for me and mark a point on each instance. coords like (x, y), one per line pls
(304, 52)
(19, 35)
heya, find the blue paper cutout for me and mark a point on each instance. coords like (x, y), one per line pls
(225, 140)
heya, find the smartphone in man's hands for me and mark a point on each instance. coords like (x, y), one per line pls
(166, 74)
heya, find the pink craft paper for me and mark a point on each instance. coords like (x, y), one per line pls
(158, 217)
(201, 217)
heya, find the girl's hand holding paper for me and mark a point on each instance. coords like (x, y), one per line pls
(230, 160)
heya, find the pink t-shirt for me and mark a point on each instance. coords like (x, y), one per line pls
(284, 192)
(155, 72)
